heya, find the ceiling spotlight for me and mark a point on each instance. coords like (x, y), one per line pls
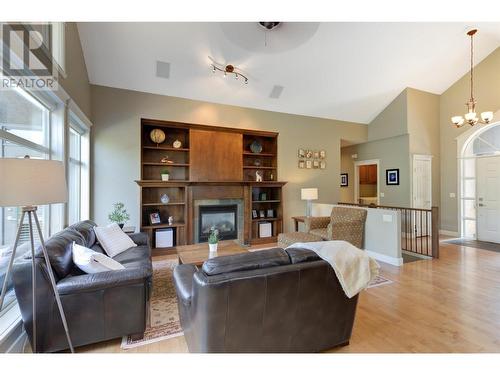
(229, 69)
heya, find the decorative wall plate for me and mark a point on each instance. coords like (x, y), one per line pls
(177, 144)
(256, 147)
(164, 198)
(157, 136)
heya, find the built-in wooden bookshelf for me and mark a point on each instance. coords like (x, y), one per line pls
(211, 161)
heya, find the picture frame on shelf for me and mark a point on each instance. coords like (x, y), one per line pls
(154, 218)
(308, 164)
(270, 213)
(302, 164)
(262, 214)
(315, 164)
(392, 176)
(263, 196)
(254, 214)
(344, 180)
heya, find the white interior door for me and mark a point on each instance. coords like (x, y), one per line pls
(422, 182)
(488, 199)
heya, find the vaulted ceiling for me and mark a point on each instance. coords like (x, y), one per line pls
(344, 71)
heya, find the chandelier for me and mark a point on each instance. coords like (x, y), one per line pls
(229, 69)
(470, 117)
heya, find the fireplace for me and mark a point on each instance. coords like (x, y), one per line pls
(224, 218)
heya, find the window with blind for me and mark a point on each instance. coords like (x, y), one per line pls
(24, 130)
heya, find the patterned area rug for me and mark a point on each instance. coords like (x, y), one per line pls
(165, 322)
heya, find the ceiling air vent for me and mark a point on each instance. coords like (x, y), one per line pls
(163, 69)
(276, 91)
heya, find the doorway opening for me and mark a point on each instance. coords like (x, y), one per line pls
(479, 183)
(366, 182)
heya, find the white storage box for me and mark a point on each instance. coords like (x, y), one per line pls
(265, 230)
(164, 237)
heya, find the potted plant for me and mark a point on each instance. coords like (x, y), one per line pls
(119, 215)
(213, 240)
(165, 174)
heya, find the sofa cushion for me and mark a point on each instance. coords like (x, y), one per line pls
(86, 229)
(135, 257)
(90, 261)
(320, 232)
(301, 255)
(247, 261)
(113, 240)
(60, 250)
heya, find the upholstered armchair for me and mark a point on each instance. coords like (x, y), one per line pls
(344, 223)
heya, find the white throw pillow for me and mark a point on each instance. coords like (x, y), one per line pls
(113, 240)
(91, 261)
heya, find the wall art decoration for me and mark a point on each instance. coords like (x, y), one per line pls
(392, 176)
(344, 180)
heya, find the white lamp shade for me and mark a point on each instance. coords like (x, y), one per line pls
(309, 194)
(31, 182)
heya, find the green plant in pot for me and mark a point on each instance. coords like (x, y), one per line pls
(213, 240)
(119, 215)
(165, 174)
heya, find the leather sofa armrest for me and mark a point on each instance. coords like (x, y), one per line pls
(183, 280)
(140, 238)
(317, 222)
(102, 280)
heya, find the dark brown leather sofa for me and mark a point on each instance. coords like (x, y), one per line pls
(267, 301)
(99, 306)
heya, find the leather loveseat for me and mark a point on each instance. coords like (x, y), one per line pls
(99, 306)
(266, 301)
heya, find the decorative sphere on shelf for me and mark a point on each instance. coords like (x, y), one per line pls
(157, 136)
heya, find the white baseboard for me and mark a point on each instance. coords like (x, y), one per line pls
(385, 258)
(448, 233)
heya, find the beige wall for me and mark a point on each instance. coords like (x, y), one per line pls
(423, 127)
(392, 153)
(116, 145)
(392, 121)
(76, 83)
(487, 93)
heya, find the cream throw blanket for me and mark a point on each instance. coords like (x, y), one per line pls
(353, 267)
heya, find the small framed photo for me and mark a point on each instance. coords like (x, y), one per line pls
(392, 176)
(322, 164)
(262, 214)
(301, 153)
(263, 197)
(315, 164)
(309, 154)
(254, 214)
(316, 155)
(302, 164)
(344, 180)
(308, 164)
(270, 213)
(154, 218)
(322, 154)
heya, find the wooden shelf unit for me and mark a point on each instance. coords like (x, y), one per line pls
(213, 162)
(151, 167)
(265, 161)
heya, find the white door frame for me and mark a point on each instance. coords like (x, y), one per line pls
(419, 157)
(356, 177)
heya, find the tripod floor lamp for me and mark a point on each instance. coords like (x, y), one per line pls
(27, 183)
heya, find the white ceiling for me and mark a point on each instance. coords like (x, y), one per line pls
(345, 71)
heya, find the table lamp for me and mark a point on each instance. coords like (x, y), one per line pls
(309, 194)
(27, 183)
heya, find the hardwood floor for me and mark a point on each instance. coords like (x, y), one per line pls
(433, 306)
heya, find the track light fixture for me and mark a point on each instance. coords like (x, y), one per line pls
(230, 69)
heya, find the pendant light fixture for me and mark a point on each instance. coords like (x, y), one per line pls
(471, 117)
